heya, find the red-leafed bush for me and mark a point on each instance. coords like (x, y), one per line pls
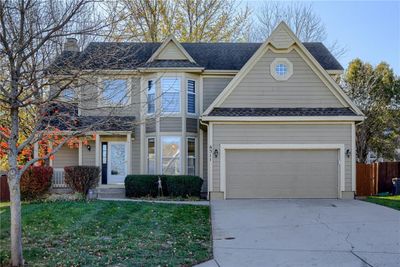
(82, 178)
(36, 181)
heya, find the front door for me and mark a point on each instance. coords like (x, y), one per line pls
(117, 163)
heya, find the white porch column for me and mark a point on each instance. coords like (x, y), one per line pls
(80, 153)
(98, 150)
(36, 152)
(129, 152)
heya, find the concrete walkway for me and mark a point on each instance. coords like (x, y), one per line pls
(198, 203)
(304, 233)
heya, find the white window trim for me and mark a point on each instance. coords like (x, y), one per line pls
(341, 158)
(147, 154)
(196, 161)
(196, 96)
(169, 113)
(103, 103)
(284, 61)
(180, 153)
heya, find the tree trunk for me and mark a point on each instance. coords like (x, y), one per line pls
(16, 225)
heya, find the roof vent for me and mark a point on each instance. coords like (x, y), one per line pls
(71, 45)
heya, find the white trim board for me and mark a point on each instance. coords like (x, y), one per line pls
(341, 158)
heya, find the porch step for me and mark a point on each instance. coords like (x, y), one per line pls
(110, 192)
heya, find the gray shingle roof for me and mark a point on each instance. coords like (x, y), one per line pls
(272, 112)
(64, 117)
(212, 56)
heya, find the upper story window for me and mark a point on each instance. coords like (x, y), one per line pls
(115, 92)
(68, 94)
(170, 95)
(281, 69)
(151, 96)
(191, 97)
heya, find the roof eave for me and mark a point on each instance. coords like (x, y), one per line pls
(187, 69)
(283, 118)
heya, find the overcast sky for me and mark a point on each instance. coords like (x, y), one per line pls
(369, 30)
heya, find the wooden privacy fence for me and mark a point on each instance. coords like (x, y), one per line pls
(376, 178)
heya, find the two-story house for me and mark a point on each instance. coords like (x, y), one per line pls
(254, 120)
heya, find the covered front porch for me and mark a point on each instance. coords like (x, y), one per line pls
(111, 151)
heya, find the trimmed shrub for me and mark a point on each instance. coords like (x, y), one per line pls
(82, 178)
(143, 185)
(173, 185)
(36, 181)
(183, 185)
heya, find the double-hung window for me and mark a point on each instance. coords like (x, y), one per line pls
(151, 155)
(151, 97)
(115, 92)
(191, 156)
(191, 97)
(170, 95)
(171, 154)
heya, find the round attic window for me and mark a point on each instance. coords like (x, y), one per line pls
(281, 69)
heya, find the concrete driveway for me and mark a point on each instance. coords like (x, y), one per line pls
(304, 233)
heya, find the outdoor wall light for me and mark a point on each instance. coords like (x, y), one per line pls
(348, 153)
(88, 147)
(215, 153)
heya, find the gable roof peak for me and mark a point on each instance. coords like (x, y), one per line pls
(164, 45)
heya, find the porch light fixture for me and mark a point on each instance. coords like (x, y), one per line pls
(215, 153)
(348, 153)
(88, 147)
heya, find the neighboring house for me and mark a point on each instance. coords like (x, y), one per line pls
(253, 120)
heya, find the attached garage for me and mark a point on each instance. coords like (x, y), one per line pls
(282, 173)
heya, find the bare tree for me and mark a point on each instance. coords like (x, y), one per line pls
(32, 83)
(299, 16)
(188, 20)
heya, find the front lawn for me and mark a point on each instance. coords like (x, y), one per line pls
(101, 233)
(388, 201)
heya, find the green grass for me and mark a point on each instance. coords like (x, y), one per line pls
(104, 233)
(388, 201)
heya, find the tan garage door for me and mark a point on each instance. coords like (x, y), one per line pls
(261, 173)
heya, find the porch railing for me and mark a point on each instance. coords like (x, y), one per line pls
(58, 178)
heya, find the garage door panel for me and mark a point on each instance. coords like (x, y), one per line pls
(281, 173)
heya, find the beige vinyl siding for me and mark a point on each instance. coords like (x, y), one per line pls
(89, 157)
(281, 134)
(212, 87)
(90, 95)
(113, 138)
(150, 125)
(66, 156)
(259, 173)
(281, 39)
(136, 151)
(303, 89)
(171, 51)
(191, 125)
(170, 124)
